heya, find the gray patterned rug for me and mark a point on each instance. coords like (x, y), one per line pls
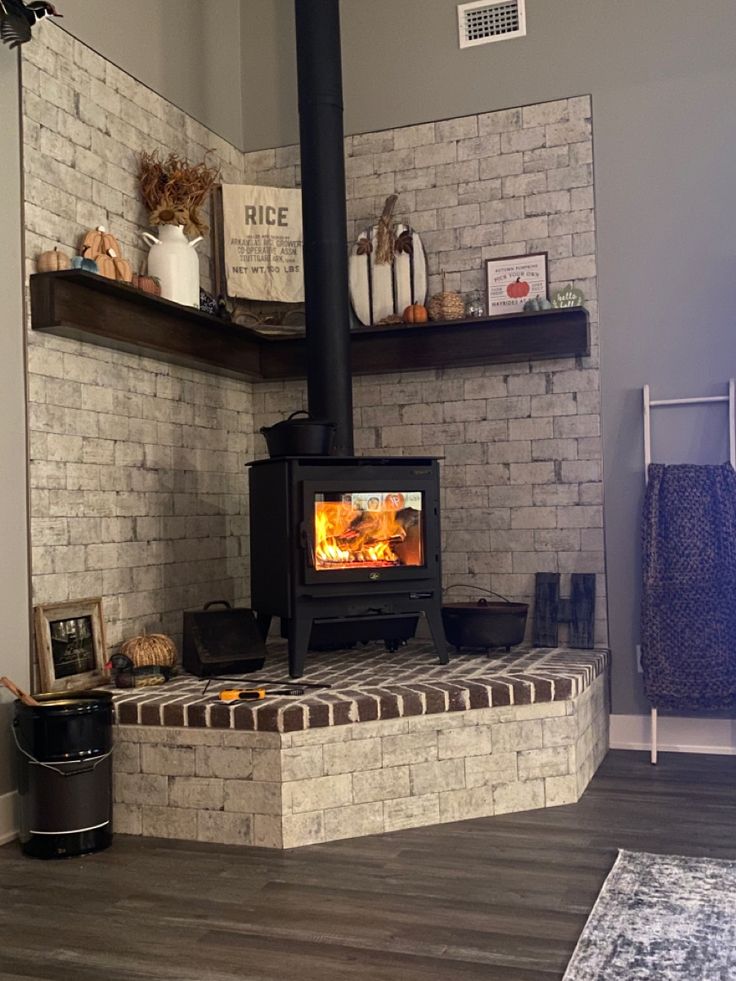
(663, 917)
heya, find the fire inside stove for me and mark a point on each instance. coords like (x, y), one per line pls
(370, 529)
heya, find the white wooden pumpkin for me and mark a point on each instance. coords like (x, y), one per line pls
(379, 290)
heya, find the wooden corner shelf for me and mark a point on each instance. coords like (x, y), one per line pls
(87, 307)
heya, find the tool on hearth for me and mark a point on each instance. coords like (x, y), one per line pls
(255, 694)
(302, 684)
(259, 682)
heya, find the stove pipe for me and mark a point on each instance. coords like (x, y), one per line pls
(319, 72)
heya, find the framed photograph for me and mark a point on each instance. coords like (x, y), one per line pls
(70, 644)
(513, 280)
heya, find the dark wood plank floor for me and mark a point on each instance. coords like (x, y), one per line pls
(496, 898)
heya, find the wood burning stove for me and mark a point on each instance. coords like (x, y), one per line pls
(346, 550)
(343, 549)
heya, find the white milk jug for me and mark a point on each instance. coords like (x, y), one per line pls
(173, 261)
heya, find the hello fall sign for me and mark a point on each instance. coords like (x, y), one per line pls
(262, 230)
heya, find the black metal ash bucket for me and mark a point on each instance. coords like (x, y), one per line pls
(64, 750)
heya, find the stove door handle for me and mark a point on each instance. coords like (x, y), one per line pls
(305, 542)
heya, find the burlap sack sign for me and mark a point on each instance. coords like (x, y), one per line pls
(262, 230)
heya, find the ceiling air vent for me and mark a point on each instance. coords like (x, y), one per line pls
(483, 21)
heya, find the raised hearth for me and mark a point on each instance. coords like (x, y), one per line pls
(368, 684)
(397, 742)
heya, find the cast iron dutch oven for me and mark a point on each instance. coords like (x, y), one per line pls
(300, 437)
(484, 624)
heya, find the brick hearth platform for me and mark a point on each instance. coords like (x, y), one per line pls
(397, 741)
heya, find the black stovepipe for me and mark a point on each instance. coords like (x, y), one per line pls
(319, 72)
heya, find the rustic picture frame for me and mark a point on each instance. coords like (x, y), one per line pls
(505, 272)
(70, 644)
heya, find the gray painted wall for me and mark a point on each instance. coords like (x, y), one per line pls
(186, 50)
(268, 53)
(663, 80)
(14, 572)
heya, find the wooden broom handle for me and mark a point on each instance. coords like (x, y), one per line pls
(18, 692)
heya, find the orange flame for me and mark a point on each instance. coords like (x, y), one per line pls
(345, 536)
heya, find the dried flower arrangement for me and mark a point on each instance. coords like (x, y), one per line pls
(174, 190)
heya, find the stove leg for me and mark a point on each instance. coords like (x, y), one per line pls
(437, 630)
(299, 631)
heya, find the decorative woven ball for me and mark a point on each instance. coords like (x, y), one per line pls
(446, 306)
(149, 650)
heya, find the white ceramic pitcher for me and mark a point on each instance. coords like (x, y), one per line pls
(174, 262)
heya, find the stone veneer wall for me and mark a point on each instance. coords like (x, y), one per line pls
(137, 481)
(137, 484)
(283, 790)
(521, 477)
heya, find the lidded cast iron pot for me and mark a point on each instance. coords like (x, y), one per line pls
(300, 437)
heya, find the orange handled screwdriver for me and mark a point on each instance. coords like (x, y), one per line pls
(254, 694)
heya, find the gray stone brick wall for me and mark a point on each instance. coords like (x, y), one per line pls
(137, 482)
(521, 475)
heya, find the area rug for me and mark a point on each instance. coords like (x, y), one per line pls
(663, 917)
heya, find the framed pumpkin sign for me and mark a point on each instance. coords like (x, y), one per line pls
(513, 280)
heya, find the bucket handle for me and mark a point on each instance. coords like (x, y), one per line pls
(50, 766)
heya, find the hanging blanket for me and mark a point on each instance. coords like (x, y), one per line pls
(688, 617)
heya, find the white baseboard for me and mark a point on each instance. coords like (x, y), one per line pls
(8, 817)
(675, 734)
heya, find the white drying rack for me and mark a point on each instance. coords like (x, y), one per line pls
(649, 404)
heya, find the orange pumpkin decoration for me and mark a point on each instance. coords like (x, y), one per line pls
(103, 247)
(416, 313)
(52, 261)
(147, 284)
(111, 265)
(105, 266)
(123, 269)
(99, 242)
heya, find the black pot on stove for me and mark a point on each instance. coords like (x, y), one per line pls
(300, 437)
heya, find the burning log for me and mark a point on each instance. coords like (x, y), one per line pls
(345, 535)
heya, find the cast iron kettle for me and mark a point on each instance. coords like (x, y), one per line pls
(484, 624)
(300, 437)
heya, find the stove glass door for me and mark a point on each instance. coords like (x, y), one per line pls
(368, 529)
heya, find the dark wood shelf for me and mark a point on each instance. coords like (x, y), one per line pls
(87, 307)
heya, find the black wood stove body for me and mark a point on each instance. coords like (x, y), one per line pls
(346, 550)
(343, 548)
